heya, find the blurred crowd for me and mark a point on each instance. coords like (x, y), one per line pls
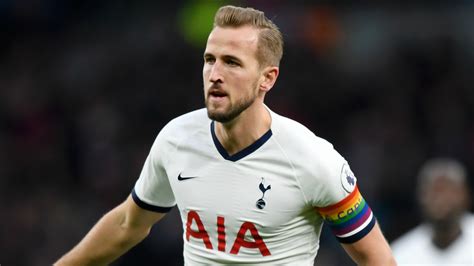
(85, 87)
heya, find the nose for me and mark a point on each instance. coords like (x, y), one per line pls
(215, 73)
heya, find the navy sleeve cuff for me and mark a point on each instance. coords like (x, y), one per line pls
(358, 236)
(147, 206)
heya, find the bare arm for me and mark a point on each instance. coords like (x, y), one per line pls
(115, 233)
(372, 249)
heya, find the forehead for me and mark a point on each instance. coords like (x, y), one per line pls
(240, 42)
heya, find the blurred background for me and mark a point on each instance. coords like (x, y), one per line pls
(85, 86)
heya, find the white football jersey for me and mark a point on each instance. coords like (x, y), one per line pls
(263, 205)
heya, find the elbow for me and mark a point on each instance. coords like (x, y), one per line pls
(133, 233)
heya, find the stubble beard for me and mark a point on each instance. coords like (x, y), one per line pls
(233, 111)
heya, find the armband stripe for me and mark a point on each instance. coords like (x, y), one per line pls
(336, 206)
(352, 224)
(359, 235)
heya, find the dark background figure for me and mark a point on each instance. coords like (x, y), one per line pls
(446, 237)
(85, 86)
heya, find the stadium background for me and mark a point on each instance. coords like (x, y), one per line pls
(85, 86)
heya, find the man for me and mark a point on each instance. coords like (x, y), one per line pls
(252, 186)
(447, 236)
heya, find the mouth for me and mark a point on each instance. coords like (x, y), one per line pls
(217, 94)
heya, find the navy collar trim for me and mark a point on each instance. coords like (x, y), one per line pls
(241, 154)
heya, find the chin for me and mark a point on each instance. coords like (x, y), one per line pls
(222, 117)
(219, 117)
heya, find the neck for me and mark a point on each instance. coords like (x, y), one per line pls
(444, 235)
(245, 129)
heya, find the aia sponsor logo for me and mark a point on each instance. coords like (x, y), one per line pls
(240, 241)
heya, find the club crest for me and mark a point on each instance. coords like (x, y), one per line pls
(261, 202)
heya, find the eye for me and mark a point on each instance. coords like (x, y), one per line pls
(209, 60)
(232, 63)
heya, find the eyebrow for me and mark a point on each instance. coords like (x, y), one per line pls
(208, 55)
(231, 57)
(225, 57)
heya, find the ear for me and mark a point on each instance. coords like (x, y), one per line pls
(269, 76)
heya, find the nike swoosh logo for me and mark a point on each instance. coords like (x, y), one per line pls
(181, 178)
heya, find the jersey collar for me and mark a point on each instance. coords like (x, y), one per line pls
(241, 154)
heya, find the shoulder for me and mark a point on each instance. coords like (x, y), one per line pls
(411, 238)
(414, 247)
(292, 133)
(192, 120)
(304, 147)
(468, 223)
(185, 124)
(181, 128)
(318, 166)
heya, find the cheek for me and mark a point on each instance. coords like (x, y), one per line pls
(244, 80)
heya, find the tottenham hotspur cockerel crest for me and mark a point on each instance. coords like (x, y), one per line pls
(261, 202)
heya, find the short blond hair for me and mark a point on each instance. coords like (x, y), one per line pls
(270, 40)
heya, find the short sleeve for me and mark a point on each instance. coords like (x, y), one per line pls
(152, 191)
(339, 201)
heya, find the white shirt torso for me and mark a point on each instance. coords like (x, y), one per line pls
(268, 191)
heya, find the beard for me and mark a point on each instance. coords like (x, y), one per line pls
(234, 110)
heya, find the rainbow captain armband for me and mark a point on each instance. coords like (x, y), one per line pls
(350, 219)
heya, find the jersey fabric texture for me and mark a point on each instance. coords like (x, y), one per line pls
(416, 248)
(263, 205)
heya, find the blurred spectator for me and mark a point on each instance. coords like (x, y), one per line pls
(447, 235)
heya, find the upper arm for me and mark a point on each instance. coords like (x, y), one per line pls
(349, 216)
(372, 249)
(152, 190)
(137, 217)
(152, 196)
